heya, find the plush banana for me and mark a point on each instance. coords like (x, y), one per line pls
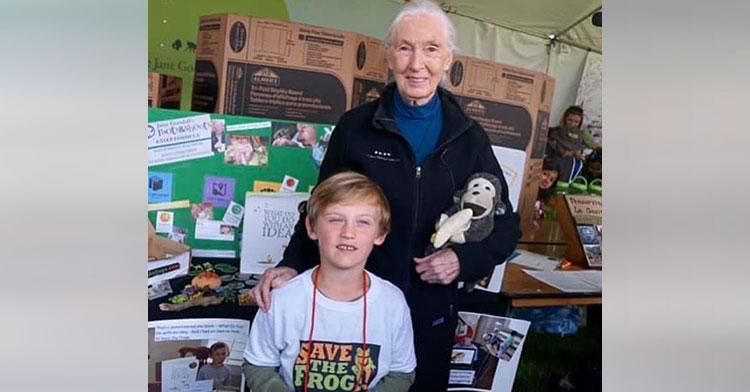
(453, 227)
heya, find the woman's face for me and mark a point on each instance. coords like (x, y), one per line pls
(547, 178)
(418, 57)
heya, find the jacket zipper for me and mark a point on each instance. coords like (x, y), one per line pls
(417, 198)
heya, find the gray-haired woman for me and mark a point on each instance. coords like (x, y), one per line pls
(417, 143)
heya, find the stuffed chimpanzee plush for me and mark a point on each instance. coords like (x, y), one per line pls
(471, 217)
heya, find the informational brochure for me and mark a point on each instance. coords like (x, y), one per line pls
(270, 218)
(486, 352)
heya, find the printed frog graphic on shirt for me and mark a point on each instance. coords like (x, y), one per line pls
(335, 366)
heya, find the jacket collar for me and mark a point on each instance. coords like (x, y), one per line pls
(455, 121)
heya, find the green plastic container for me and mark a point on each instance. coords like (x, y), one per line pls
(579, 186)
(561, 188)
(595, 187)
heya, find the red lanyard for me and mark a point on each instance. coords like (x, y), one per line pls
(364, 330)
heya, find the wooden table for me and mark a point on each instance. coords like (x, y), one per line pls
(523, 290)
(543, 236)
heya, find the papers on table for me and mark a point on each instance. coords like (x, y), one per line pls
(533, 260)
(570, 281)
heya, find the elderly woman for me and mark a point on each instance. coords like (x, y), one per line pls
(417, 143)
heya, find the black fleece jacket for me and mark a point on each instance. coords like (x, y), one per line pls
(367, 140)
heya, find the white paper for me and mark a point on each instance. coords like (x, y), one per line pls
(206, 229)
(512, 162)
(194, 335)
(534, 260)
(177, 374)
(570, 281)
(273, 217)
(495, 283)
(233, 215)
(179, 139)
(164, 221)
(223, 254)
(463, 377)
(248, 126)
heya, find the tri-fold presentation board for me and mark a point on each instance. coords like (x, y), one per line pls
(201, 166)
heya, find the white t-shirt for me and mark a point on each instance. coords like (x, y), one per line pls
(336, 353)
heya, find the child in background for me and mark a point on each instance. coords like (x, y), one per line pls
(593, 168)
(216, 370)
(336, 326)
(547, 178)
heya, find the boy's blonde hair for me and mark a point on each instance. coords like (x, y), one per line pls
(346, 187)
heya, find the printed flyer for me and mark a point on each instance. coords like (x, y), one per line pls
(269, 223)
(486, 352)
(179, 139)
(196, 355)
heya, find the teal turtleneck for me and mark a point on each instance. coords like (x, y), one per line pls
(421, 125)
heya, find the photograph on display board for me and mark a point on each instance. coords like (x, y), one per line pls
(300, 135)
(218, 135)
(197, 355)
(486, 352)
(246, 150)
(201, 211)
(588, 235)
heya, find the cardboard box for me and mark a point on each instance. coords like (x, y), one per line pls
(164, 91)
(258, 67)
(174, 262)
(512, 104)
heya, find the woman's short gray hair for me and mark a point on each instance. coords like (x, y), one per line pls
(422, 7)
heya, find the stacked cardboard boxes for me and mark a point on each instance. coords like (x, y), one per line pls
(164, 91)
(260, 67)
(512, 104)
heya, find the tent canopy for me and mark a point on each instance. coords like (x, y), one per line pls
(568, 20)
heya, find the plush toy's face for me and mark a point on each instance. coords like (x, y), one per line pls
(479, 196)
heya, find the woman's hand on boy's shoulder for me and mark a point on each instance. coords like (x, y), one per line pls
(271, 279)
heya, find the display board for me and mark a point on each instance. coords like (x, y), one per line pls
(580, 218)
(201, 165)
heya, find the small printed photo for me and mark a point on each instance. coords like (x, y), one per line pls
(218, 136)
(178, 234)
(588, 235)
(201, 211)
(463, 356)
(246, 150)
(300, 135)
(593, 254)
(226, 229)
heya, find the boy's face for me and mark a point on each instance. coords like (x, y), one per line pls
(219, 356)
(346, 233)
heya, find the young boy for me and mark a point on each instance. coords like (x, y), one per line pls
(336, 327)
(216, 370)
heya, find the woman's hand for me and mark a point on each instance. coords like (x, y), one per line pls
(440, 267)
(271, 279)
